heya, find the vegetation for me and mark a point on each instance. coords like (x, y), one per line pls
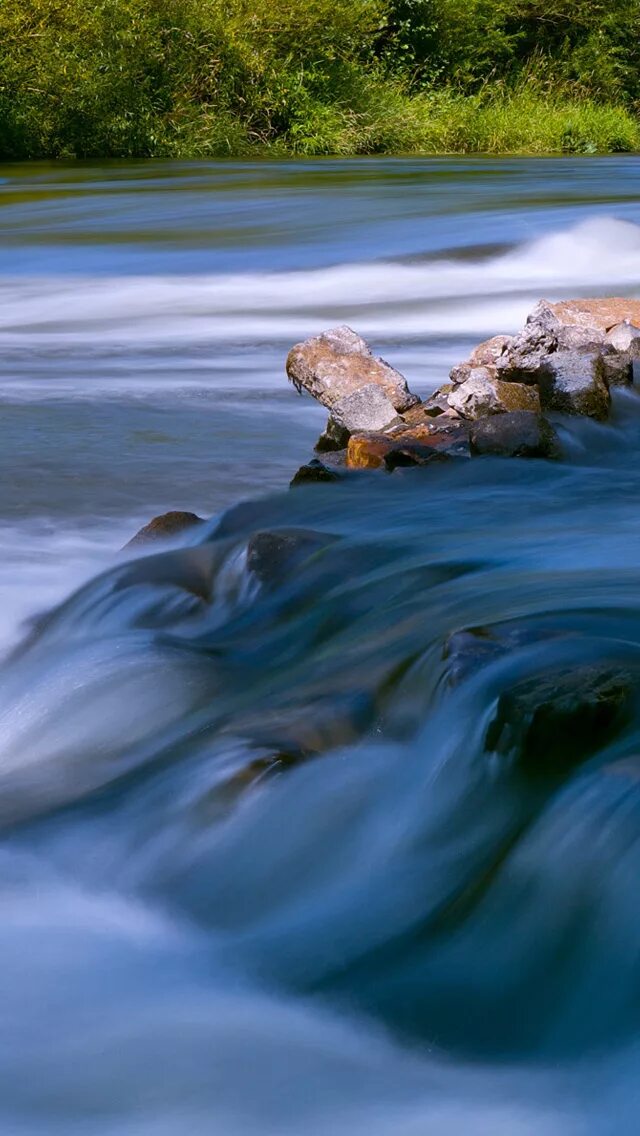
(199, 78)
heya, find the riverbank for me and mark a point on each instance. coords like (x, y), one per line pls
(129, 79)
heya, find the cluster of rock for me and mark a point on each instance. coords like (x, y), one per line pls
(565, 361)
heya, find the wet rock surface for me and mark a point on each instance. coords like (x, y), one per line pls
(520, 434)
(316, 471)
(549, 723)
(275, 554)
(165, 527)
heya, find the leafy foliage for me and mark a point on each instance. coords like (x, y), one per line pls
(125, 78)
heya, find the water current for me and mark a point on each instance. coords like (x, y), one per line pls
(265, 869)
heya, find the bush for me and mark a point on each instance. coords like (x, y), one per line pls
(200, 78)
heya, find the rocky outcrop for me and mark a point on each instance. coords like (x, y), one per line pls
(565, 361)
(572, 352)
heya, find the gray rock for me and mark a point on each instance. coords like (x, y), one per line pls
(366, 409)
(482, 394)
(617, 369)
(573, 383)
(336, 364)
(519, 434)
(625, 337)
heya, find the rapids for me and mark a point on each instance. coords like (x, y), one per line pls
(261, 872)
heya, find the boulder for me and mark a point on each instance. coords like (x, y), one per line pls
(333, 437)
(336, 364)
(518, 434)
(574, 383)
(316, 471)
(165, 527)
(550, 723)
(481, 394)
(486, 354)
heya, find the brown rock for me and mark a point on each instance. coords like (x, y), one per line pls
(338, 363)
(165, 527)
(599, 314)
(369, 451)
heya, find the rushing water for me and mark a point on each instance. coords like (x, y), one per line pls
(261, 871)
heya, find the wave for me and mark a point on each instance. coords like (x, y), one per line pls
(445, 297)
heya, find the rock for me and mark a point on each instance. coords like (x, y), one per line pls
(573, 383)
(460, 373)
(366, 409)
(550, 723)
(625, 337)
(486, 354)
(436, 404)
(591, 315)
(165, 527)
(316, 471)
(617, 370)
(275, 554)
(468, 650)
(414, 454)
(334, 437)
(520, 434)
(336, 364)
(482, 394)
(369, 451)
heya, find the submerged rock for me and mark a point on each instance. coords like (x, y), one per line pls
(337, 364)
(165, 527)
(519, 434)
(275, 554)
(550, 723)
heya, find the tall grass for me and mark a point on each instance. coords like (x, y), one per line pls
(201, 78)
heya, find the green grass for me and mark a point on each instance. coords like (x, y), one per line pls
(208, 78)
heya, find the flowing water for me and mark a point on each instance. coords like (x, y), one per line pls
(263, 871)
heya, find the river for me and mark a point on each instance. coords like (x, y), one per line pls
(260, 873)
